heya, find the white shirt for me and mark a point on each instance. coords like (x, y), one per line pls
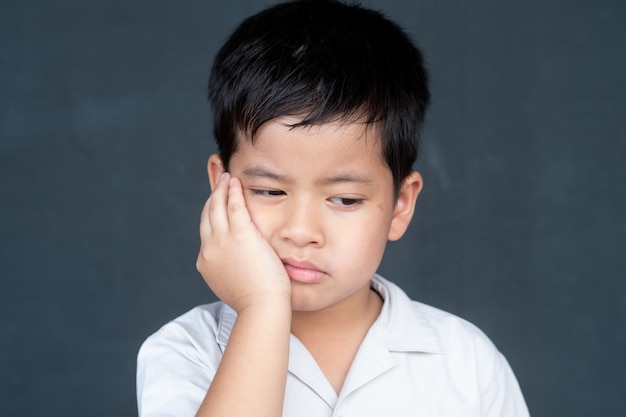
(415, 360)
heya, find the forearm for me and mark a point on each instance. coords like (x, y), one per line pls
(250, 380)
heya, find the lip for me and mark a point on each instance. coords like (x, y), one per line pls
(303, 271)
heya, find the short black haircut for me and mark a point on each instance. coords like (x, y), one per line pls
(322, 60)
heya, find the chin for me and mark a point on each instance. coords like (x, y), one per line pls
(306, 304)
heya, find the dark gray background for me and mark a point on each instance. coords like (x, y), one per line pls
(104, 138)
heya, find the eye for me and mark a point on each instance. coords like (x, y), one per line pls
(266, 193)
(345, 201)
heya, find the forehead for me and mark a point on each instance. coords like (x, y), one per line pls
(313, 153)
(354, 140)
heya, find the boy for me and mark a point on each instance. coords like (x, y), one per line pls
(317, 111)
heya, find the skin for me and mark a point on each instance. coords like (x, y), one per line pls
(290, 240)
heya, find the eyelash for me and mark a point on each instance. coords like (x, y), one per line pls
(267, 193)
(346, 202)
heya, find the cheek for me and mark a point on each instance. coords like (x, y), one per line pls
(366, 237)
(371, 244)
(361, 259)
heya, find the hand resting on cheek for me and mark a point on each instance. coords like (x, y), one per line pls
(236, 262)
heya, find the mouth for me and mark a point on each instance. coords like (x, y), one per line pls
(303, 271)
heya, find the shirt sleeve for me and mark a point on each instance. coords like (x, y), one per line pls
(503, 396)
(174, 370)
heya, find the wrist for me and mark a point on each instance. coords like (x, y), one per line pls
(265, 304)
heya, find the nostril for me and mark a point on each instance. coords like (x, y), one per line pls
(301, 233)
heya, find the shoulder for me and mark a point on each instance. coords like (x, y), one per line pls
(198, 330)
(459, 343)
(176, 364)
(454, 354)
(197, 321)
(452, 329)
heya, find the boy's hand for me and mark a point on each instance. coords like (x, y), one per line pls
(237, 263)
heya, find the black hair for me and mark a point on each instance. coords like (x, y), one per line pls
(323, 60)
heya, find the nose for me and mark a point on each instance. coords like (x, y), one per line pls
(302, 224)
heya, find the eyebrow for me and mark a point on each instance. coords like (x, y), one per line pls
(262, 172)
(346, 178)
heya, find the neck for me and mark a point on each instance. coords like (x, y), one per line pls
(341, 320)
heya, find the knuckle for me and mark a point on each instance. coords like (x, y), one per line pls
(204, 256)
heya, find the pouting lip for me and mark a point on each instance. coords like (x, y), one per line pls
(301, 264)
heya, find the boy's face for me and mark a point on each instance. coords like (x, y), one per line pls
(324, 200)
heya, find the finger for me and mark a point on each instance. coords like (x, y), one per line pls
(238, 214)
(217, 215)
(205, 224)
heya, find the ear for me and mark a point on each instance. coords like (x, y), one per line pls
(405, 205)
(215, 167)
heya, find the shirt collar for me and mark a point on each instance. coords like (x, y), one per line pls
(404, 327)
